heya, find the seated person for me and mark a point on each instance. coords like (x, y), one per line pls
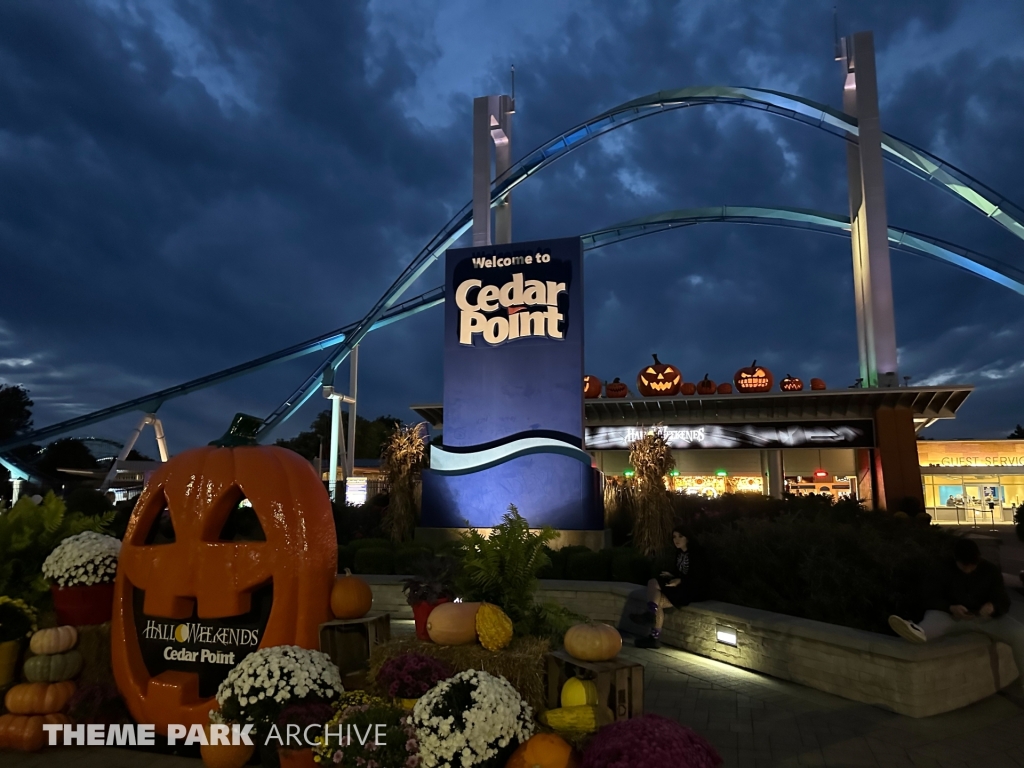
(681, 585)
(970, 597)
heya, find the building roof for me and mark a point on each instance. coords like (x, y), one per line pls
(926, 403)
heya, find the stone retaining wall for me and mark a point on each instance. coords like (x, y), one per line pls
(914, 680)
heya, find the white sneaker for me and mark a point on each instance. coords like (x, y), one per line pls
(908, 630)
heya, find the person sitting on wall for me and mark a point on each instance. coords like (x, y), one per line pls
(682, 585)
(970, 597)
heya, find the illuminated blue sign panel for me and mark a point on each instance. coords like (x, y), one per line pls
(513, 391)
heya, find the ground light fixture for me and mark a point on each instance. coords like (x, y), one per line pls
(725, 635)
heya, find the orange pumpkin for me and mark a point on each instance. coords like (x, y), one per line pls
(25, 732)
(616, 389)
(591, 387)
(593, 642)
(791, 384)
(706, 386)
(38, 698)
(659, 380)
(543, 750)
(725, 388)
(225, 755)
(351, 597)
(688, 388)
(453, 623)
(753, 378)
(222, 536)
(817, 384)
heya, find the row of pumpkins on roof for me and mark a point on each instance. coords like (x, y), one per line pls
(665, 380)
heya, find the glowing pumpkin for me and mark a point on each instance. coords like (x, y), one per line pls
(753, 378)
(351, 597)
(224, 536)
(591, 387)
(659, 380)
(791, 384)
(616, 389)
(706, 386)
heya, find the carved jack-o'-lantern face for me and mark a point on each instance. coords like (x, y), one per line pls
(659, 379)
(591, 387)
(616, 389)
(755, 378)
(791, 384)
(228, 550)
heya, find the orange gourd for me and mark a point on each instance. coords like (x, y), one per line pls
(53, 640)
(225, 755)
(543, 750)
(213, 532)
(351, 597)
(593, 642)
(38, 698)
(453, 623)
(25, 732)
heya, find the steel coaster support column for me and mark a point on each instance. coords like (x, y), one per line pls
(148, 418)
(872, 275)
(776, 478)
(161, 439)
(353, 386)
(492, 124)
(332, 478)
(16, 490)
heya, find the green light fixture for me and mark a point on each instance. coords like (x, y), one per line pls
(721, 473)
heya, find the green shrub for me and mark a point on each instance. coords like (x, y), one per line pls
(373, 560)
(589, 566)
(555, 567)
(631, 566)
(407, 555)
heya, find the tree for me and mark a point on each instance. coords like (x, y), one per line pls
(1017, 434)
(370, 436)
(15, 411)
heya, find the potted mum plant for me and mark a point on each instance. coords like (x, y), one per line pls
(369, 731)
(266, 681)
(433, 585)
(17, 621)
(295, 752)
(82, 569)
(409, 676)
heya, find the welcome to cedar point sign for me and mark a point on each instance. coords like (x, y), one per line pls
(513, 399)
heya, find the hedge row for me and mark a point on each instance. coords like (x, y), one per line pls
(379, 556)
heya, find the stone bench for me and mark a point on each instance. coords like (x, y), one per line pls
(885, 671)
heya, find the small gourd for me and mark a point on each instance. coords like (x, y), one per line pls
(53, 668)
(586, 719)
(38, 698)
(493, 627)
(25, 732)
(578, 692)
(53, 640)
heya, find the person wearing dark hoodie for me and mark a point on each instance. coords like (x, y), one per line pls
(970, 597)
(681, 585)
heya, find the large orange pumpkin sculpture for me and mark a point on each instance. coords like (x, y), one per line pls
(230, 548)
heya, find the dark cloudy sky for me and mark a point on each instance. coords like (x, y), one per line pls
(185, 186)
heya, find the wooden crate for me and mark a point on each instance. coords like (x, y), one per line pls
(349, 642)
(620, 683)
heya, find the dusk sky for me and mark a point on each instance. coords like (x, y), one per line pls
(186, 186)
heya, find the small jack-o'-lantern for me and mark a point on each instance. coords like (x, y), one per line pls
(725, 388)
(754, 378)
(817, 384)
(791, 384)
(591, 387)
(616, 389)
(706, 386)
(230, 548)
(659, 380)
(688, 388)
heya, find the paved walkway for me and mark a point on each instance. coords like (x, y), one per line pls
(753, 721)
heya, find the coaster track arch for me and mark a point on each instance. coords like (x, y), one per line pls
(388, 309)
